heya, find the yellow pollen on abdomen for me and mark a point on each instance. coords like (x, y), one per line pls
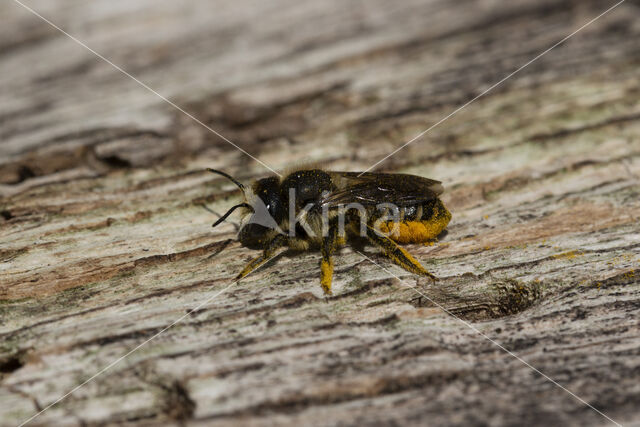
(417, 231)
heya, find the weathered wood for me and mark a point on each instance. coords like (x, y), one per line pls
(104, 240)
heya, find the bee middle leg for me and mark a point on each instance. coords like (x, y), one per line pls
(397, 254)
(328, 247)
(269, 251)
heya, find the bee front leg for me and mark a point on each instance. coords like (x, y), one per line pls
(397, 254)
(328, 247)
(268, 253)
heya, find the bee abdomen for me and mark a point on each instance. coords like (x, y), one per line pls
(418, 224)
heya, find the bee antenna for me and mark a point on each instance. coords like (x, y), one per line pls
(230, 211)
(229, 177)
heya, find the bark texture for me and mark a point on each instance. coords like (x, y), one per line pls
(104, 241)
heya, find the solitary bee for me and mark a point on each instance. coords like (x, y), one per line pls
(316, 209)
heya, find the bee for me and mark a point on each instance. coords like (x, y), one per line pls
(313, 209)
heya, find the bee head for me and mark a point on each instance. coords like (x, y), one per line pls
(264, 210)
(268, 212)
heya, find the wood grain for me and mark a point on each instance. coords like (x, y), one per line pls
(104, 240)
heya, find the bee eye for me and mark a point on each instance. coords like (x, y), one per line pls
(269, 193)
(275, 209)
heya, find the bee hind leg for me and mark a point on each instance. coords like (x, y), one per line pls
(268, 253)
(397, 254)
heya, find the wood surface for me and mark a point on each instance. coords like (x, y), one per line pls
(104, 240)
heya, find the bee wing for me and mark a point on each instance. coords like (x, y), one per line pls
(375, 188)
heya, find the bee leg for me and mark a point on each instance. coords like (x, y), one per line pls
(397, 254)
(268, 253)
(329, 244)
